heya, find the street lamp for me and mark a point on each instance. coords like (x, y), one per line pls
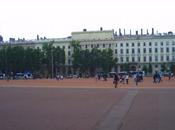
(52, 58)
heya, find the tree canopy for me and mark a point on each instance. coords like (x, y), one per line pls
(17, 59)
(92, 61)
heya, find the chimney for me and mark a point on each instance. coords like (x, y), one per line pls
(130, 32)
(152, 31)
(37, 37)
(120, 34)
(141, 31)
(84, 30)
(147, 32)
(101, 29)
(136, 32)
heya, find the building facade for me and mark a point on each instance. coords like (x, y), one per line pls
(136, 51)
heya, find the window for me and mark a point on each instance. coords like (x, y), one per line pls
(173, 49)
(121, 51)
(161, 43)
(144, 44)
(150, 59)
(161, 49)
(127, 59)
(150, 44)
(68, 47)
(127, 51)
(92, 46)
(127, 44)
(132, 44)
(133, 59)
(109, 45)
(63, 47)
(161, 58)
(133, 51)
(156, 50)
(156, 58)
(144, 58)
(144, 50)
(86, 46)
(150, 50)
(138, 59)
(121, 59)
(97, 45)
(121, 44)
(173, 43)
(116, 45)
(115, 51)
(138, 50)
(167, 49)
(103, 45)
(167, 58)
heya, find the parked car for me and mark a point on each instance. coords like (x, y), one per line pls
(2, 76)
(28, 76)
(19, 76)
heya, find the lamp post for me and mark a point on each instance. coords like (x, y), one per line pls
(52, 61)
(52, 64)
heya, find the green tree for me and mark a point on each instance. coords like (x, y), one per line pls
(150, 68)
(145, 69)
(52, 53)
(163, 67)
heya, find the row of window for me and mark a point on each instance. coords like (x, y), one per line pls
(150, 59)
(145, 59)
(127, 44)
(150, 50)
(97, 45)
(145, 44)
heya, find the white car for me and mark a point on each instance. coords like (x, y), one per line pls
(2, 76)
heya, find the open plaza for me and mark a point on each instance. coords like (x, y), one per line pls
(87, 104)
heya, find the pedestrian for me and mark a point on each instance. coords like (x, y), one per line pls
(58, 77)
(154, 78)
(169, 76)
(136, 78)
(127, 78)
(116, 80)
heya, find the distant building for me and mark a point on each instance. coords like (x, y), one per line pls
(137, 50)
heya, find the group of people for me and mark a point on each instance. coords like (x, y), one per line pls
(157, 77)
(120, 78)
(125, 79)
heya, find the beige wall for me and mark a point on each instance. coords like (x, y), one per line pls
(93, 35)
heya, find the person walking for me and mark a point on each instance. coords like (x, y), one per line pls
(116, 79)
(136, 78)
(127, 78)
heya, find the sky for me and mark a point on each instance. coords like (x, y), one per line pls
(58, 18)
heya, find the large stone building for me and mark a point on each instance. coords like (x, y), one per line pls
(136, 51)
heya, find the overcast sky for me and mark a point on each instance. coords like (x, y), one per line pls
(58, 18)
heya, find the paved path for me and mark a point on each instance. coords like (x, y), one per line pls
(86, 109)
(113, 119)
